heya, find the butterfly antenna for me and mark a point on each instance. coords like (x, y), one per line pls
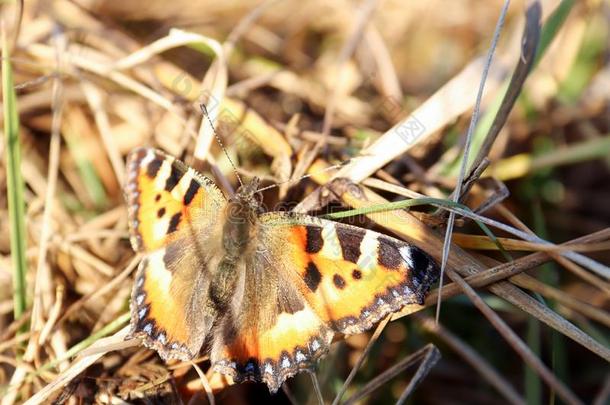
(204, 110)
(329, 168)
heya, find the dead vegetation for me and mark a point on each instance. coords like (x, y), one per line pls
(380, 93)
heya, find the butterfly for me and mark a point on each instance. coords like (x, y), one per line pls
(263, 292)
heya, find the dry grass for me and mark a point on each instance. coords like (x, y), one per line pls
(380, 93)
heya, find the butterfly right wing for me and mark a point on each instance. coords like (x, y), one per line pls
(351, 277)
(173, 219)
(307, 279)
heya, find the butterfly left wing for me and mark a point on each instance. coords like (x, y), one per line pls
(166, 199)
(308, 279)
(174, 220)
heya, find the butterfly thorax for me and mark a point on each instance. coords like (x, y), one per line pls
(241, 216)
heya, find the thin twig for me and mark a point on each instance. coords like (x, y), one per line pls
(206, 384)
(361, 359)
(485, 370)
(473, 123)
(530, 39)
(316, 388)
(428, 356)
(515, 342)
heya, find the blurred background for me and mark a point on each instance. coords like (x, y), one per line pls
(83, 105)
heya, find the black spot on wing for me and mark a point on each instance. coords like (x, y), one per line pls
(314, 239)
(339, 281)
(173, 178)
(420, 262)
(250, 370)
(174, 222)
(349, 240)
(161, 212)
(356, 274)
(153, 168)
(312, 276)
(388, 254)
(191, 192)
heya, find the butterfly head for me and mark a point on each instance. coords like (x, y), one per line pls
(247, 196)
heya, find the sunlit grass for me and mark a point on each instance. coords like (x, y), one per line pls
(16, 204)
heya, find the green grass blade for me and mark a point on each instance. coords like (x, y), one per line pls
(397, 205)
(549, 31)
(15, 185)
(413, 202)
(91, 179)
(552, 26)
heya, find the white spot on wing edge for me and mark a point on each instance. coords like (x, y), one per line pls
(140, 282)
(148, 328)
(142, 313)
(300, 356)
(368, 251)
(150, 156)
(183, 185)
(132, 187)
(163, 173)
(140, 298)
(268, 368)
(285, 362)
(331, 247)
(405, 253)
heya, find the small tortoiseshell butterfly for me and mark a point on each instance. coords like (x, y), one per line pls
(265, 292)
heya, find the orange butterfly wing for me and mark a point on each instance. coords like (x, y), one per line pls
(337, 277)
(351, 277)
(272, 337)
(172, 216)
(166, 199)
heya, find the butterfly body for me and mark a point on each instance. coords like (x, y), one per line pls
(241, 215)
(265, 292)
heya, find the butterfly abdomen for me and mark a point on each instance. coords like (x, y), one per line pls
(222, 287)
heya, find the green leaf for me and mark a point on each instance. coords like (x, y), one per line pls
(15, 185)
